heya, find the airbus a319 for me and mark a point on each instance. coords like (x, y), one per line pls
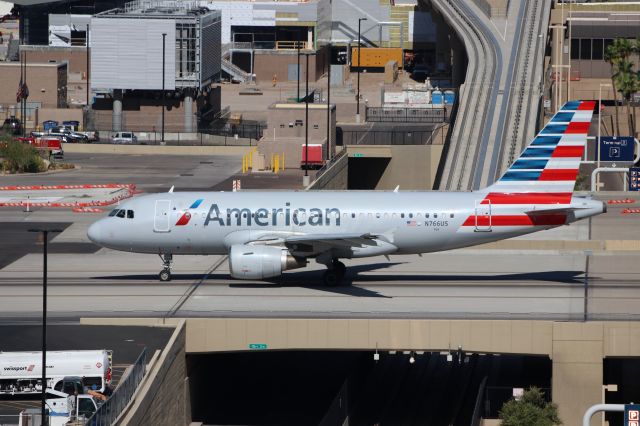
(265, 233)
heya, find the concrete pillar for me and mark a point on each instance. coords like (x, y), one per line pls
(577, 369)
(116, 117)
(188, 113)
(310, 39)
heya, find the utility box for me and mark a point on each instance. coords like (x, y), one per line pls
(375, 57)
(390, 72)
(312, 159)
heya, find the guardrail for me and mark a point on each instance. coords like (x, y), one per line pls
(108, 412)
(406, 115)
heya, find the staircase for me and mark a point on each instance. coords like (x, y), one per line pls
(231, 69)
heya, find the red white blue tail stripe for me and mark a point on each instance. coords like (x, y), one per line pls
(537, 188)
(547, 169)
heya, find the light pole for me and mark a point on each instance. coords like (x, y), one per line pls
(298, 48)
(329, 152)
(305, 179)
(599, 121)
(358, 94)
(87, 39)
(164, 38)
(45, 234)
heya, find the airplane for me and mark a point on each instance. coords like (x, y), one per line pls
(265, 233)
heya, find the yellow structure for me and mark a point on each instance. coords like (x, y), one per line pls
(375, 57)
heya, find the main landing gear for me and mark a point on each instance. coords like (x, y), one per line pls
(335, 274)
(167, 261)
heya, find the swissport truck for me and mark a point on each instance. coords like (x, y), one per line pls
(21, 372)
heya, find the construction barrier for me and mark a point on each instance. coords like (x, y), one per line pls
(630, 211)
(87, 210)
(128, 193)
(625, 201)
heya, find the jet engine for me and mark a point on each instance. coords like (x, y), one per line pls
(259, 261)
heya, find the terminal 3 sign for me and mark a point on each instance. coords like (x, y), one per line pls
(617, 149)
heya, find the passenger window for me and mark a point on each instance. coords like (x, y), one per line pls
(435, 215)
(451, 215)
(113, 212)
(129, 214)
(410, 215)
(353, 215)
(426, 215)
(120, 213)
(402, 215)
(377, 215)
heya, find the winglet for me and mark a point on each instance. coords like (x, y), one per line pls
(397, 187)
(171, 189)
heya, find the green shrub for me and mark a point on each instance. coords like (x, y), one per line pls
(18, 157)
(530, 410)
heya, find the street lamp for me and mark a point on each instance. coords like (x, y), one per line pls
(599, 121)
(164, 38)
(358, 94)
(45, 234)
(298, 48)
(329, 153)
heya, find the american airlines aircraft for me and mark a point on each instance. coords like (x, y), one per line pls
(267, 232)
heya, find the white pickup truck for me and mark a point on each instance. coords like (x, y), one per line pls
(63, 408)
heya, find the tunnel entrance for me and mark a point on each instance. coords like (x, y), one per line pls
(326, 387)
(365, 173)
(624, 373)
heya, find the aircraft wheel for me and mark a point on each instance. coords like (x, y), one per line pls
(340, 269)
(331, 278)
(165, 275)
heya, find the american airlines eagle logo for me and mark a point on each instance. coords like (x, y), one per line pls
(186, 216)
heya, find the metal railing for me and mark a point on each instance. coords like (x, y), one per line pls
(406, 115)
(108, 412)
(292, 44)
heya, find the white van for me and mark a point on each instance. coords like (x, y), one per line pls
(124, 138)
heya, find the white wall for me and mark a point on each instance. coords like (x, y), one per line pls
(127, 53)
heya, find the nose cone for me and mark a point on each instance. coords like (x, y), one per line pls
(95, 233)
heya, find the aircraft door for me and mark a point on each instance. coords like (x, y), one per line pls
(483, 216)
(161, 219)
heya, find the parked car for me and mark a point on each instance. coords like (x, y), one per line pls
(12, 125)
(73, 137)
(124, 138)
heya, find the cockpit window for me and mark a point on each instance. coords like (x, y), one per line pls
(113, 212)
(129, 214)
(120, 213)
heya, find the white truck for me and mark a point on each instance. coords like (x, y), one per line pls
(62, 408)
(21, 372)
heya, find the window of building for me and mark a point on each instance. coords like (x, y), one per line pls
(597, 53)
(585, 48)
(575, 48)
(607, 42)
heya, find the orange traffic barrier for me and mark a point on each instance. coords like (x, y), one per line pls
(625, 201)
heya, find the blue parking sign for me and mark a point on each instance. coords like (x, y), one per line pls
(617, 148)
(632, 415)
(634, 179)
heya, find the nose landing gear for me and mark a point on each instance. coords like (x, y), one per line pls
(167, 261)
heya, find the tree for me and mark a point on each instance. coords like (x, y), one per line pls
(627, 83)
(618, 51)
(530, 410)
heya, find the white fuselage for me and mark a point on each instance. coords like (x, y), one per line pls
(406, 222)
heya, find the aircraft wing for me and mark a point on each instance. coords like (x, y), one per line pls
(340, 240)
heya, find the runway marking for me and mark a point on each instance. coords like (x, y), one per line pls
(183, 299)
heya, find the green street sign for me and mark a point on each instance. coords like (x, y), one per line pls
(257, 346)
(358, 155)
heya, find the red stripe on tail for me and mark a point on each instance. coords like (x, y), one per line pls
(559, 174)
(568, 151)
(529, 198)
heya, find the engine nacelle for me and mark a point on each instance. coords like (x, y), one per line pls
(258, 261)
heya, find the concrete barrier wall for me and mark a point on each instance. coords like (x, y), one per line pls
(163, 396)
(577, 349)
(155, 149)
